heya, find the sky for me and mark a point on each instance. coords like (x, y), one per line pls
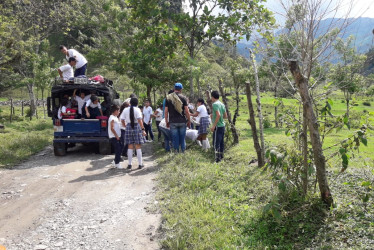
(363, 8)
(360, 8)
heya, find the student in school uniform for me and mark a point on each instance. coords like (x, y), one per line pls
(62, 110)
(218, 125)
(92, 108)
(203, 130)
(66, 71)
(158, 116)
(147, 114)
(135, 132)
(81, 99)
(81, 65)
(114, 133)
(123, 127)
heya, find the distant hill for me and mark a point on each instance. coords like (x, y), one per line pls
(361, 28)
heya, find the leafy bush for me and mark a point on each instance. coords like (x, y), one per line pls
(366, 104)
(267, 123)
(370, 91)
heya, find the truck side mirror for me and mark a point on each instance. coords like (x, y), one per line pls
(49, 107)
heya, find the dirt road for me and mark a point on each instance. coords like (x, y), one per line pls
(78, 202)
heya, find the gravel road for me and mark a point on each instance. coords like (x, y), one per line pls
(78, 202)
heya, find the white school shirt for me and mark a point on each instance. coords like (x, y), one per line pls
(116, 126)
(147, 112)
(126, 115)
(81, 102)
(81, 60)
(60, 111)
(67, 71)
(163, 124)
(92, 105)
(159, 115)
(202, 111)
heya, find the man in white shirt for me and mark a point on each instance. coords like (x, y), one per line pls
(66, 71)
(147, 120)
(81, 66)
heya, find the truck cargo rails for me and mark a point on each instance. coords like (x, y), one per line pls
(72, 129)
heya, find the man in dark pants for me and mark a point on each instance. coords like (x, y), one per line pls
(218, 127)
(81, 66)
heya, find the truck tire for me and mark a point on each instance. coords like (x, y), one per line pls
(59, 148)
(105, 147)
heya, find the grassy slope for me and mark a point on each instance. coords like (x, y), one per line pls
(22, 138)
(219, 206)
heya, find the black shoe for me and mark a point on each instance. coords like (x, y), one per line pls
(141, 166)
(121, 160)
(129, 167)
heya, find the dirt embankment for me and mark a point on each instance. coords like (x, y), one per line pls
(78, 202)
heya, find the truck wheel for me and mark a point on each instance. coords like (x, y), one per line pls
(59, 148)
(105, 147)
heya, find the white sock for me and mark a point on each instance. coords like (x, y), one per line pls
(140, 157)
(206, 144)
(129, 155)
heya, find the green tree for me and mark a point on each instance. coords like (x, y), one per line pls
(202, 23)
(347, 73)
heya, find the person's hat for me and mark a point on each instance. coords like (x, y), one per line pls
(178, 86)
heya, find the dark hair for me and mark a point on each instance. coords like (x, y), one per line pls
(215, 94)
(93, 98)
(133, 102)
(72, 59)
(140, 106)
(170, 91)
(132, 95)
(161, 105)
(62, 47)
(64, 101)
(123, 106)
(114, 108)
(201, 100)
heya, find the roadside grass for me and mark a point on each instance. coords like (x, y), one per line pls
(23, 138)
(220, 206)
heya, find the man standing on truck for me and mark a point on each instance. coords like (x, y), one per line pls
(66, 71)
(81, 66)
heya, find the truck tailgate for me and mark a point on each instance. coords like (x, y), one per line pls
(78, 126)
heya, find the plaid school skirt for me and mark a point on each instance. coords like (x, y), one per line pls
(204, 125)
(134, 135)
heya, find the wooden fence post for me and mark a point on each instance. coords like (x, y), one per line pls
(11, 109)
(22, 107)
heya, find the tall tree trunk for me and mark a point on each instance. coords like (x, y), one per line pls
(305, 151)
(209, 101)
(259, 108)
(149, 89)
(319, 158)
(198, 87)
(191, 76)
(43, 103)
(276, 106)
(252, 122)
(30, 88)
(237, 99)
(232, 126)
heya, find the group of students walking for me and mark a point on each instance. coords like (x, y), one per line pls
(130, 125)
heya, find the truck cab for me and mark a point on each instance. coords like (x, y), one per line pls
(71, 130)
